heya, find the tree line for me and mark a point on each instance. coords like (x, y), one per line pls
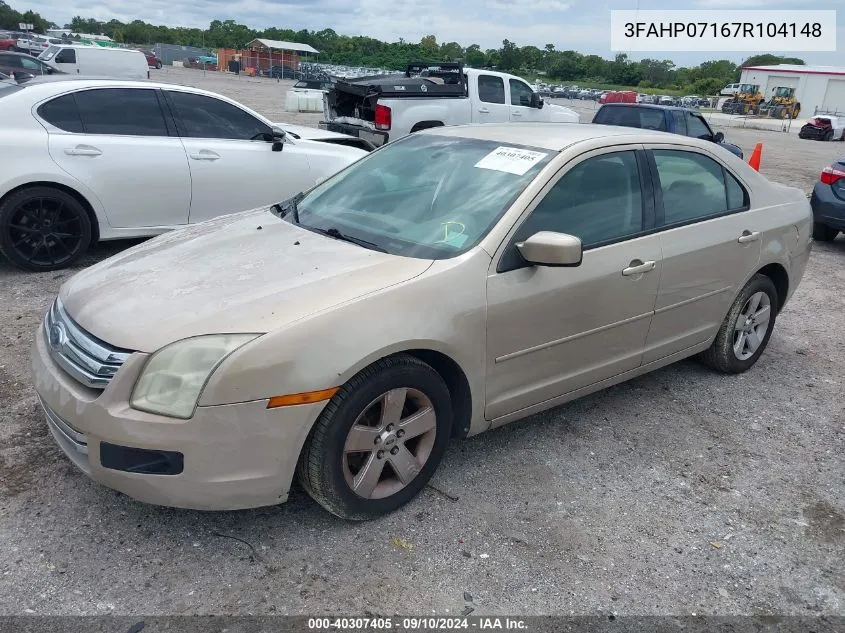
(560, 66)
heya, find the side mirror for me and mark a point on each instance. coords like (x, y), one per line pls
(718, 137)
(547, 248)
(22, 76)
(279, 136)
(536, 101)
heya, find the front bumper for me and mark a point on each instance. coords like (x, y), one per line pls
(235, 456)
(377, 138)
(828, 209)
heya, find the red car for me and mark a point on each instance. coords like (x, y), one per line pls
(7, 42)
(152, 60)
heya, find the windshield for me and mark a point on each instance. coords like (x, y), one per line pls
(783, 92)
(425, 196)
(748, 88)
(49, 53)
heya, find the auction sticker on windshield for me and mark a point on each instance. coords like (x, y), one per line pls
(512, 160)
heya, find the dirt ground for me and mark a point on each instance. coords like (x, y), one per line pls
(679, 492)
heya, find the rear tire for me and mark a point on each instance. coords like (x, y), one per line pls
(824, 233)
(746, 329)
(43, 229)
(828, 136)
(398, 412)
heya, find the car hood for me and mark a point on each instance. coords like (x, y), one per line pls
(562, 114)
(245, 272)
(310, 133)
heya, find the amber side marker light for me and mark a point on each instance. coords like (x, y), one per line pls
(301, 398)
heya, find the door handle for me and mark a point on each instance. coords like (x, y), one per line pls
(748, 236)
(83, 150)
(516, 113)
(484, 110)
(638, 267)
(205, 155)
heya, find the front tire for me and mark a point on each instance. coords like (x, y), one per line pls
(824, 233)
(746, 329)
(43, 229)
(158, 65)
(379, 439)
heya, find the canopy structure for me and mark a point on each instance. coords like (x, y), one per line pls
(261, 44)
(272, 58)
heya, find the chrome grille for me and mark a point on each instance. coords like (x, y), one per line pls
(82, 355)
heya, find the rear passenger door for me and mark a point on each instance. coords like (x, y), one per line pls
(491, 106)
(121, 145)
(710, 242)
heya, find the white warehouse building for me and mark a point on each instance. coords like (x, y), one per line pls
(818, 88)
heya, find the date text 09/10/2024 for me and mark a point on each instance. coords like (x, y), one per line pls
(417, 624)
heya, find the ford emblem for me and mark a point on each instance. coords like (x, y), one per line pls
(56, 336)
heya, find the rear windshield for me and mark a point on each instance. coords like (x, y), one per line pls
(630, 116)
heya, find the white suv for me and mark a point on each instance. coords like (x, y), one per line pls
(101, 160)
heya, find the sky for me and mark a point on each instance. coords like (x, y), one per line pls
(581, 25)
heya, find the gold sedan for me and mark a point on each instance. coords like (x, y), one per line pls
(445, 284)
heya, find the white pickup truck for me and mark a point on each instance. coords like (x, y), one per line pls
(387, 107)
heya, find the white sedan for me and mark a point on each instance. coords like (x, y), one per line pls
(102, 160)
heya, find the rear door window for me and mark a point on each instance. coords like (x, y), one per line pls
(491, 89)
(121, 111)
(695, 187)
(11, 61)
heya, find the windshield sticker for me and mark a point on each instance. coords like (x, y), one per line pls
(512, 160)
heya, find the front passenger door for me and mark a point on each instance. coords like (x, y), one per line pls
(552, 331)
(233, 166)
(520, 96)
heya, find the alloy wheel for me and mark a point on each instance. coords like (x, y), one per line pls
(45, 231)
(389, 443)
(751, 325)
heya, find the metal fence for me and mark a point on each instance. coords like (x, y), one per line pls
(169, 53)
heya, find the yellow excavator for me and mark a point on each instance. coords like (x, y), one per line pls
(783, 104)
(746, 100)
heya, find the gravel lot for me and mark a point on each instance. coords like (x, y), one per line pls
(680, 492)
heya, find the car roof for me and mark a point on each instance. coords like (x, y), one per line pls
(16, 54)
(652, 106)
(552, 136)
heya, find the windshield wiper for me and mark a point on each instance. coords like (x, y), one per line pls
(338, 235)
(289, 207)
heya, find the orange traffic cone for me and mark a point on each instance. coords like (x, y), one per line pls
(756, 155)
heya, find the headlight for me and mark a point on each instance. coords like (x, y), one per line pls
(173, 378)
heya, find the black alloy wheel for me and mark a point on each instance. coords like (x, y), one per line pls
(43, 229)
